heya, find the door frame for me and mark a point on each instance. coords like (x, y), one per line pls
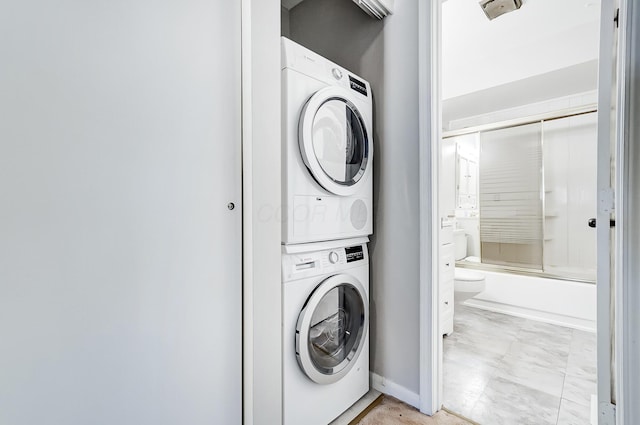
(606, 129)
(261, 224)
(627, 320)
(627, 203)
(430, 113)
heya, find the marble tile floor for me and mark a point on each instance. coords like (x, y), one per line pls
(501, 369)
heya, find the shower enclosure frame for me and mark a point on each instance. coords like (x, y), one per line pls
(517, 122)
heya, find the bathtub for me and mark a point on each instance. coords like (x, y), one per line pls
(561, 302)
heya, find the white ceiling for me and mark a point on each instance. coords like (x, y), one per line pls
(542, 38)
(568, 81)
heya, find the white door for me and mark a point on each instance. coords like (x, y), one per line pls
(120, 255)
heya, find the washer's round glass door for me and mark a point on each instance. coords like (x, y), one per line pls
(331, 329)
(334, 141)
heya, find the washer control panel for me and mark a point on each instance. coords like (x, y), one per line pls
(334, 257)
(305, 264)
(354, 253)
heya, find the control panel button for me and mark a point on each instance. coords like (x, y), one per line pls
(333, 257)
(337, 74)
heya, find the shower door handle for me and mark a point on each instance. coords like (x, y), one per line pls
(592, 223)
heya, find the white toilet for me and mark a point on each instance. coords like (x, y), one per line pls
(467, 283)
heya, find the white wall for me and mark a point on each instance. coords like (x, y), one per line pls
(544, 50)
(543, 36)
(569, 81)
(118, 304)
(386, 54)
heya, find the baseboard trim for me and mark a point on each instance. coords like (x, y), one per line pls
(527, 313)
(386, 386)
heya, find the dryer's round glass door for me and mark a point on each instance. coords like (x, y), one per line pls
(331, 329)
(340, 141)
(334, 140)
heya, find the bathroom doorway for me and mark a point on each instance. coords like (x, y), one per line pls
(533, 275)
(524, 193)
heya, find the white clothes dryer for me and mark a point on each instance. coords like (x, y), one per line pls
(325, 329)
(327, 152)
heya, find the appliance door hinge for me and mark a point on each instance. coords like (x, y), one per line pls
(606, 200)
(607, 414)
(616, 18)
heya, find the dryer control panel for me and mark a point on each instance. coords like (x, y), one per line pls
(307, 264)
(305, 61)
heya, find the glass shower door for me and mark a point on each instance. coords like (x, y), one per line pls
(570, 158)
(511, 197)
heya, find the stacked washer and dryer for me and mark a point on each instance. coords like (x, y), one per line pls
(327, 203)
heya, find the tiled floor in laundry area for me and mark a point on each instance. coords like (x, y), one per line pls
(501, 369)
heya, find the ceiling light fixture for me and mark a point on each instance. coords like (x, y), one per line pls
(495, 8)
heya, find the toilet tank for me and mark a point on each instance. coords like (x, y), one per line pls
(460, 242)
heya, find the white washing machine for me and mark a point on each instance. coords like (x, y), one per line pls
(327, 149)
(325, 329)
